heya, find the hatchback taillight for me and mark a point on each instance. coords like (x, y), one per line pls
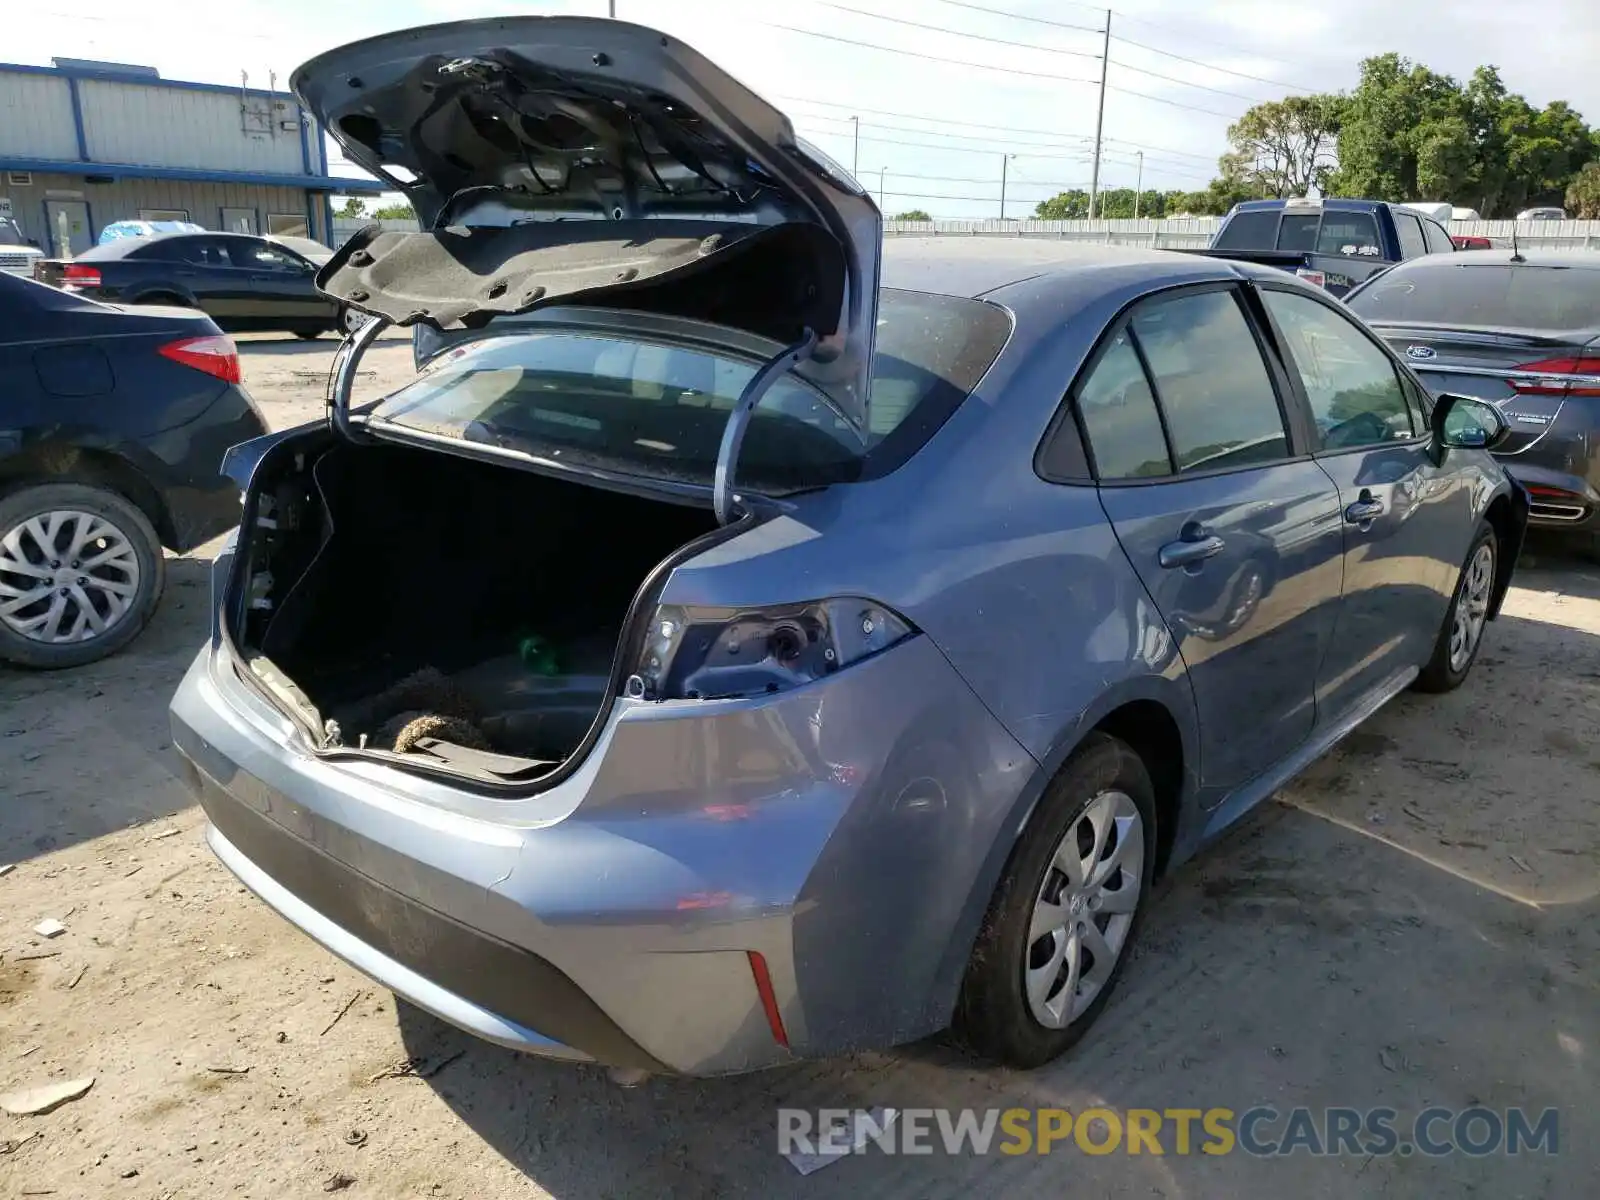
(1559, 366)
(81, 276)
(215, 355)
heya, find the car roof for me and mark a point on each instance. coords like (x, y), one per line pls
(1331, 203)
(977, 265)
(120, 247)
(1582, 260)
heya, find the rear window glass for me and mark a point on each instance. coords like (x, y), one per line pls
(1249, 231)
(1501, 296)
(651, 409)
(1348, 233)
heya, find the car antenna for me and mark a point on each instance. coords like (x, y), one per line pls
(1516, 251)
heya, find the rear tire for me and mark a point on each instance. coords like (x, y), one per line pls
(1461, 635)
(1034, 984)
(117, 584)
(165, 299)
(308, 335)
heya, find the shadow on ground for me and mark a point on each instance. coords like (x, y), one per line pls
(1412, 923)
(86, 751)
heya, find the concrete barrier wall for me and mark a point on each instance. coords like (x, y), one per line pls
(1187, 234)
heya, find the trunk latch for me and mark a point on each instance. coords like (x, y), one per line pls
(342, 380)
(725, 499)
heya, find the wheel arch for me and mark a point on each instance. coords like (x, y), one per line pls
(1507, 515)
(54, 461)
(1155, 715)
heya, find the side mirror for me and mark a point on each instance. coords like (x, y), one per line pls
(1467, 423)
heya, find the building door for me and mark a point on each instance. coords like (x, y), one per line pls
(69, 227)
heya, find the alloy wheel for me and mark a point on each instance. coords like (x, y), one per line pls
(1084, 910)
(1472, 606)
(66, 576)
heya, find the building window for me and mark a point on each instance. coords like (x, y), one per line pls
(239, 220)
(163, 214)
(288, 225)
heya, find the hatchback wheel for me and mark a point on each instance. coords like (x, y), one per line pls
(1461, 636)
(1067, 909)
(81, 573)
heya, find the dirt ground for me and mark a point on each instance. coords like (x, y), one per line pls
(1413, 923)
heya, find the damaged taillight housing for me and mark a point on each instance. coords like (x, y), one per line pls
(703, 653)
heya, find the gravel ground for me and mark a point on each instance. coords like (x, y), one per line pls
(1412, 923)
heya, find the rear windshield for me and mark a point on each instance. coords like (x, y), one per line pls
(1333, 232)
(642, 408)
(1505, 296)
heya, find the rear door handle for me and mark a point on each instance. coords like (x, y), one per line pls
(1190, 550)
(1366, 508)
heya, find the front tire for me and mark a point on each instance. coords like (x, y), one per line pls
(81, 573)
(1067, 909)
(1461, 635)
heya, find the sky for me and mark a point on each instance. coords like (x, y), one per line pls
(938, 135)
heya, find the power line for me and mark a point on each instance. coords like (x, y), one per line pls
(1016, 16)
(1173, 168)
(978, 37)
(1000, 12)
(884, 112)
(1116, 37)
(1210, 112)
(1116, 62)
(959, 62)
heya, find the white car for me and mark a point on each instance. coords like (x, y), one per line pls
(17, 254)
(1542, 214)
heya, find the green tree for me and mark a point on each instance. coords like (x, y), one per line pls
(1286, 147)
(394, 212)
(914, 214)
(1065, 206)
(1409, 133)
(352, 209)
(1583, 193)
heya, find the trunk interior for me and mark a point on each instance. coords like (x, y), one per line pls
(441, 606)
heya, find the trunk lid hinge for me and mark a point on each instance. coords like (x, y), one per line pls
(342, 379)
(724, 499)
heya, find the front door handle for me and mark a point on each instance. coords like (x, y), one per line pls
(1366, 508)
(1194, 547)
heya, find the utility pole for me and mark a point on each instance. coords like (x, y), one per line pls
(881, 172)
(855, 151)
(1138, 188)
(1100, 118)
(1004, 159)
(611, 7)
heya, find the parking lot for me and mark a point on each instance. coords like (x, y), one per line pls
(1412, 924)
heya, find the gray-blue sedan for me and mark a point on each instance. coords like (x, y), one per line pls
(746, 640)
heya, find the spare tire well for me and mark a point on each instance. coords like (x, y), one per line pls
(62, 462)
(1150, 732)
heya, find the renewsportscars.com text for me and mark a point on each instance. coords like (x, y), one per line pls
(1261, 1131)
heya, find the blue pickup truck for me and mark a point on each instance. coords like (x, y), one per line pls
(1333, 243)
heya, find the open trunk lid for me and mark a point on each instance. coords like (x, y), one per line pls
(584, 161)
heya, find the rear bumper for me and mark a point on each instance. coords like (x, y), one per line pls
(185, 466)
(1558, 500)
(611, 919)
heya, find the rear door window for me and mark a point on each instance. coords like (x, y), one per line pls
(1211, 382)
(1409, 229)
(1352, 234)
(1493, 295)
(1119, 415)
(1352, 386)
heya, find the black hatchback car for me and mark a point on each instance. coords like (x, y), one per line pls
(242, 282)
(1521, 330)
